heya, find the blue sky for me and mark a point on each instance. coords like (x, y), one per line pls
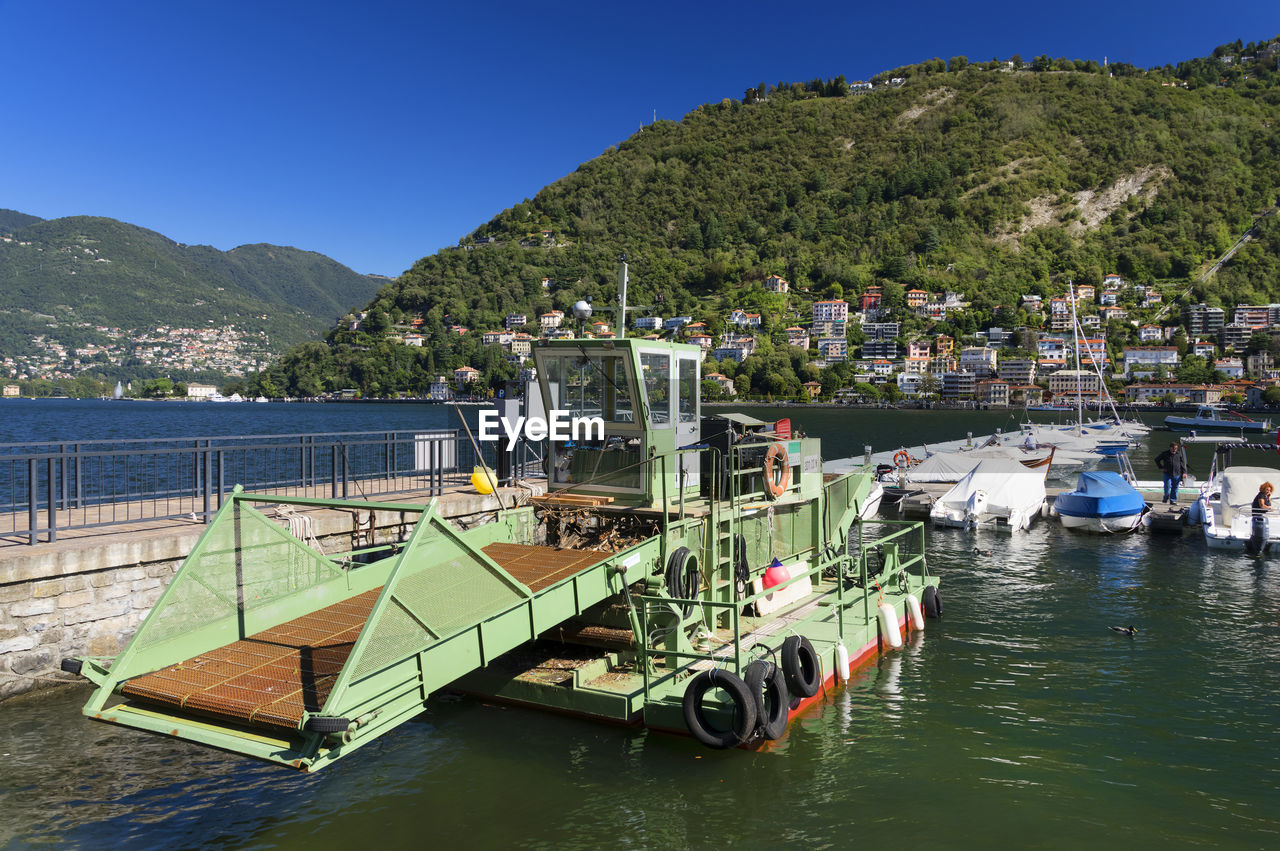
(379, 132)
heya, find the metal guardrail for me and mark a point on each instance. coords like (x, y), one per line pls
(50, 487)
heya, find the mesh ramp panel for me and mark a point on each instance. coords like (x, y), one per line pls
(268, 679)
(455, 593)
(246, 560)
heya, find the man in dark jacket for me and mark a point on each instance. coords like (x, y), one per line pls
(1173, 463)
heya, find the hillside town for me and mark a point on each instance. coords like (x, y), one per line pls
(1129, 343)
(225, 350)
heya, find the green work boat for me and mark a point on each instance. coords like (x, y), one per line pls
(692, 573)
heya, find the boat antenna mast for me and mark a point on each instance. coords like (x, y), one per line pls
(621, 331)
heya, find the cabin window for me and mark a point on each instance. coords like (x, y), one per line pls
(590, 386)
(688, 369)
(656, 369)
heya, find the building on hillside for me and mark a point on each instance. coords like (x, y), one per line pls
(916, 365)
(516, 320)
(1259, 364)
(980, 360)
(1075, 382)
(647, 323)
(1230, 367)
(1147, 359)
(1150, 334)
(1234, 336)
(776, 284)
(1085, 293)
(993, 392)
(943, 345)
(1203, 320)
(880, 348)
(1025, 394)
(826, 313)
(833, 349)
(726, 384)
(439, 390)
(550, 321)
(918, 348)
(916, 298)
(197, 391)
(465, 375)
(743, 319)
(1017, 371)
(412, 339)
(1110, 314)
(797, 336)
(959, 386)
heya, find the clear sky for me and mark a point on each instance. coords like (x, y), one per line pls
(379, 132)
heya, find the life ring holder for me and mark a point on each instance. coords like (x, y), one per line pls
(902, 458)
(776, 481)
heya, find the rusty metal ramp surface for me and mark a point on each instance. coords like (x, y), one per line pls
(274, 677)
(270, 678)
(541, 567)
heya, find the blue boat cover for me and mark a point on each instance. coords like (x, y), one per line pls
(1100, 494)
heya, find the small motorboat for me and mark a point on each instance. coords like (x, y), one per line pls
(1225, 509)
(1102, 502)
(1215, 418)
(996, 492)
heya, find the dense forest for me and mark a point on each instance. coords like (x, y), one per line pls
(989, 179)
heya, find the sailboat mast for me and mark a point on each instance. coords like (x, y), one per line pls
(1075, 332)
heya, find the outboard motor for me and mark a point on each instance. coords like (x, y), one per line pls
(1258, 539)
(975, 507)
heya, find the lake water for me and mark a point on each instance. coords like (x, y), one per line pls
(1018, 720)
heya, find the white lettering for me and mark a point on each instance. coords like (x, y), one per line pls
(486, 424)
(512, 431)
(559, 426)
(588, 425)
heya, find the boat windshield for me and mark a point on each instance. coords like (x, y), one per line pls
(590, 385)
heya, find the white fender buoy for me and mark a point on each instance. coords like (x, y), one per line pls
(889, 626)
(842, 661)
(914, 612)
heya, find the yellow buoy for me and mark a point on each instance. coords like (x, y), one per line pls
(482, 479)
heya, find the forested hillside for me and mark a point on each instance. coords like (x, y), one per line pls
(64, 279)
(992, 180)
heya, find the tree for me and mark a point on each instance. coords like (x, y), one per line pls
(1271, 396)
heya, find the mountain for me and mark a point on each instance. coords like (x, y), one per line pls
(991, 180)
(66, 279)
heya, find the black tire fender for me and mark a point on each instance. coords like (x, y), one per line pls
(683, 578)
(768, 686)
(931, 602)
(801, 666)
(321, 724)
(744, 709)
(72, 666)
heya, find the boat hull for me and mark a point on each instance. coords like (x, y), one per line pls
(1107, 525)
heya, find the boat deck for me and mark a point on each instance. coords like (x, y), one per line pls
(272, 678)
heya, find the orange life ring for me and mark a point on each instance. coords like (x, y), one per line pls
(775, 482)
(902, 458)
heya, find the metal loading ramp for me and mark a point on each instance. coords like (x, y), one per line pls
(264, 647)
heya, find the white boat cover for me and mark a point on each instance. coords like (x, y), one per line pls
(1239, 487)
(1012, 491)
(942, 467)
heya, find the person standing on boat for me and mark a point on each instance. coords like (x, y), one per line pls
(1173, 463)
(1262, 502)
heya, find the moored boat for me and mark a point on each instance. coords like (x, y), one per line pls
(1213, 418)
(996, 492)
(1225, 511)
(1101, 502)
